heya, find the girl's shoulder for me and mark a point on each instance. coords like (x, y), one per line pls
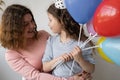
(53, 37)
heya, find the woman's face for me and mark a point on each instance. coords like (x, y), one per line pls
(54, 24)
(29, 25)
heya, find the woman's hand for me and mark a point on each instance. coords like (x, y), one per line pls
(83, 76)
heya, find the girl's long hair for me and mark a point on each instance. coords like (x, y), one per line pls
(71, 27)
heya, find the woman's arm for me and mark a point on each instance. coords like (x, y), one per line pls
(21, 66)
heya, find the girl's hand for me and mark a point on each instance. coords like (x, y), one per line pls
(76, 53)
(66, 57)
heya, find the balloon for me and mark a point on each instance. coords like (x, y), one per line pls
(90, 27)
(111, 47)
(106, 20)
(100, 51)
(82, 10)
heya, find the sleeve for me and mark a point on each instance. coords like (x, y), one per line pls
(21, 66)
(48, 55)
(88, 54)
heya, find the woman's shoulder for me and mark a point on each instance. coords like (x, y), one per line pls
(43, 34)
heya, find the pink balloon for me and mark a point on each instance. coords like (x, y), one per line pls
(90, 27)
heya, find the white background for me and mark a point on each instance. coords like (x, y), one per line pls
(103, 71)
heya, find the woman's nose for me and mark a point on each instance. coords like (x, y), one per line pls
(32, 24)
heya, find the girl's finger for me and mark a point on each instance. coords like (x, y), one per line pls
(77, 48)
(71, 56)
(66, 57)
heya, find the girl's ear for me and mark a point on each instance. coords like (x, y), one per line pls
(61, 22)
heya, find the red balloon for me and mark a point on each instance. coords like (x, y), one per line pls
(106, 20)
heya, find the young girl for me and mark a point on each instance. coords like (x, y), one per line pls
(63, 46)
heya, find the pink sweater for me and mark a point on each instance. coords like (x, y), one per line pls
(28, 62)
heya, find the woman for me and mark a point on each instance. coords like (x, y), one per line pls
(18, 33)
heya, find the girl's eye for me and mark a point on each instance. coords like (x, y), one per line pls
(49, 19)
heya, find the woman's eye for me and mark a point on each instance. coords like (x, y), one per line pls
(32, 21)
(25, 24)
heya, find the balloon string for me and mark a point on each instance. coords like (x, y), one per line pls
(80, 34)
(90, 47)
(81, 26)
(72, 67)
(88, 40)
(58, 63)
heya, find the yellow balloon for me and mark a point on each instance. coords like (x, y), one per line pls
(100, 51)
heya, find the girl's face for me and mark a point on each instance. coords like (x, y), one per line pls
(29, 25)
(54, 24)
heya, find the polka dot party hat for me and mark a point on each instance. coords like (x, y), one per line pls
(60, 4)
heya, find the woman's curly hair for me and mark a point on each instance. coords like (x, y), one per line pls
(12, 27)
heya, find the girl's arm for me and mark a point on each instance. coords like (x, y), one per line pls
(21, 66)
(50, 65)
(86, 66)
